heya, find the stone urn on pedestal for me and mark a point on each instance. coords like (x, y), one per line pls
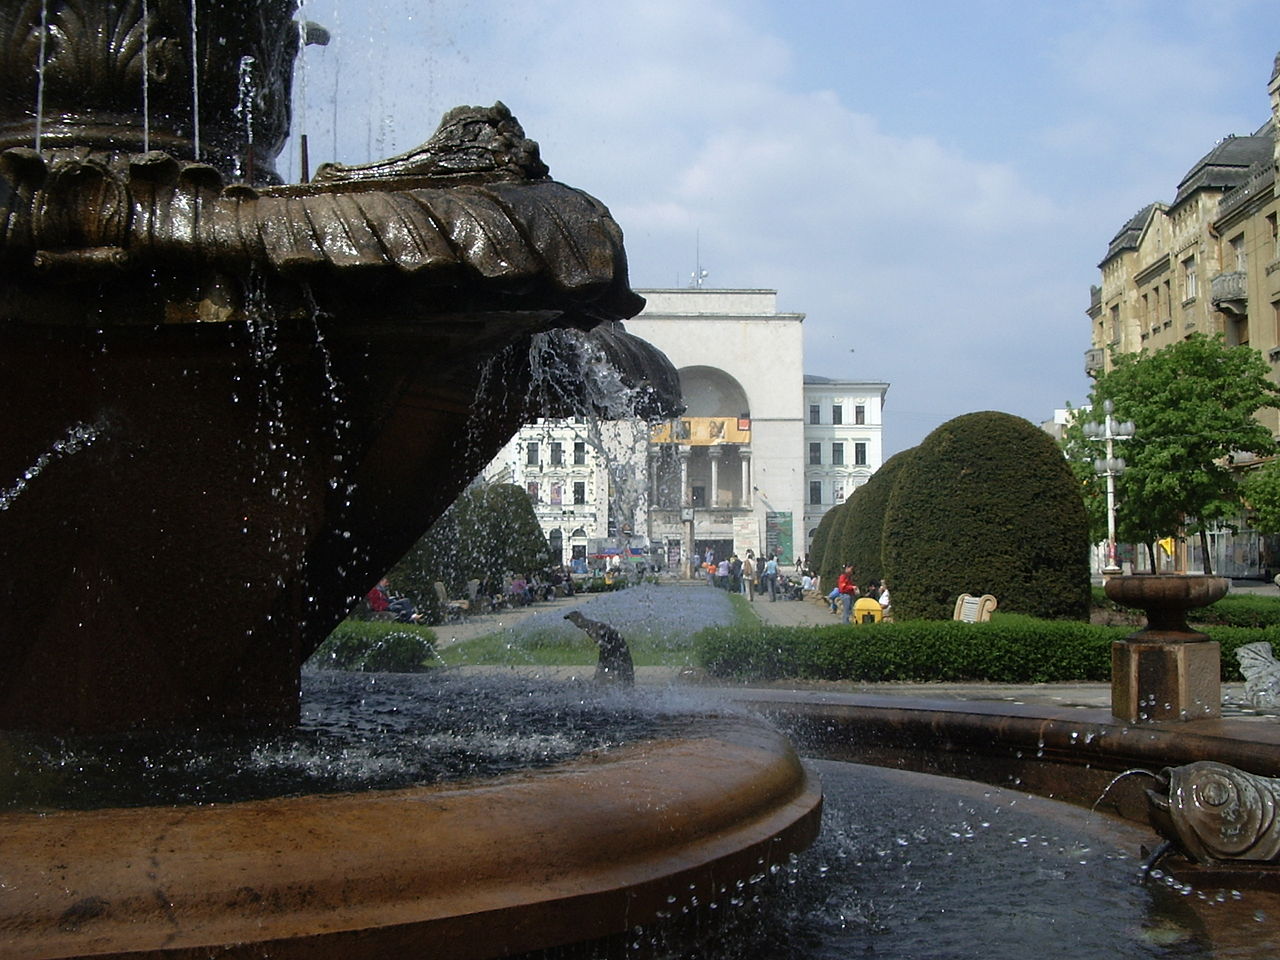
(1166, 671)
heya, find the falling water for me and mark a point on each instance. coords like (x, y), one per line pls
(195, 83)
(146, 80)
(44, 33)
(244, 111)
(77, 438)
(1136, 771)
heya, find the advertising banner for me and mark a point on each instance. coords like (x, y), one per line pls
(702, 431)
(777, 535)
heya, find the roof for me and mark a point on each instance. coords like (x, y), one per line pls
(1227, 165)
(1128, 236)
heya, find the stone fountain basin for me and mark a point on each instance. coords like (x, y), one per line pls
(577, 852)
(1183, 591)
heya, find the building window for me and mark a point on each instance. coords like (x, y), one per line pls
(859, 454)
(837, 493)
(815, 491)
(557, 454)
(837, 413)
(815, 413)
(1238, 256)
(579, 453)
(531, 454)
(859, 414)
(815, 453)
(532, 488)
(837, 454)
(698, 497)
(579, 493)
(557, 494)
(1189, 286)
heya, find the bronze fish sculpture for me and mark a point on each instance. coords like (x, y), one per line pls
(1214, 812)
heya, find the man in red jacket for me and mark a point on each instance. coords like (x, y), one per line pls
(848, 590)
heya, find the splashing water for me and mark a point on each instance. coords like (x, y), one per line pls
(78, 437)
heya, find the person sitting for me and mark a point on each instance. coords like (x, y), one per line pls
(383, 601)
(519, 592)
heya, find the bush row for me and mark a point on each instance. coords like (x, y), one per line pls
(1009, 649)
(376, 647)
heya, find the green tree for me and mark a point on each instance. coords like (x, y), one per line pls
(1261, 489)
(987, 504)
(1193, 404)
(489, 531)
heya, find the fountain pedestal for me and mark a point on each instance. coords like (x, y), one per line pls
(1167, 671)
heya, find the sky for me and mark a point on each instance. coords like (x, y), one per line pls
(932, 183)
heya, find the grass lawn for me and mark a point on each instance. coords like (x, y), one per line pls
(659, 633)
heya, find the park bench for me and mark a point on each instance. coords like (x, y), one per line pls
(971, 609)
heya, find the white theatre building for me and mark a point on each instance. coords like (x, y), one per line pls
(760, 454)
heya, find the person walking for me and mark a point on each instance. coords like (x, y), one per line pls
(749, 576)
(848, 590)
(770, 577)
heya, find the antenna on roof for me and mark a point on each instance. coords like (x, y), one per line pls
(698, 275)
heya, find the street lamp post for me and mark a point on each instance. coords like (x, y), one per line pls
(1110, 467)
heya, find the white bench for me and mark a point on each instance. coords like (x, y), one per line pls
(971, 609)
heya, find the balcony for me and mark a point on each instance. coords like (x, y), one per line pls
(1095, 361)
(1229, 292)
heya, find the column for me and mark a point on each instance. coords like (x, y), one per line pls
(683, 454)
(744, 456)
(714, 453)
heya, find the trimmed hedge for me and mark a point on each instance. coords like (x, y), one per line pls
(1009, 649)
(863, 531)
(818, 543)
(376, 647)
(987, 504)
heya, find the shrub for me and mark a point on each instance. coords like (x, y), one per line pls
(863, 530)
(987, 504)
(375, 647)
(1009, 649)
(818, 543)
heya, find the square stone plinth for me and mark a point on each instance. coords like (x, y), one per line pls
(1152, 682)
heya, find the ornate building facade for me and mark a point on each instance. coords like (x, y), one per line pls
(1206, 262)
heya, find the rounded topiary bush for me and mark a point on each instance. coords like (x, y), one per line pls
(818, 543)
(833, 560)
(863, 529)
(987, 504)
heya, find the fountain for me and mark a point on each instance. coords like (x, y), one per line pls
(232, 404)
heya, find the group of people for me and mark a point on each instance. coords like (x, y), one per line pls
(523, 590)
(746, 575)
(869, 605)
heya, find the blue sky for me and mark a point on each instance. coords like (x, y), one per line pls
(932, 183)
